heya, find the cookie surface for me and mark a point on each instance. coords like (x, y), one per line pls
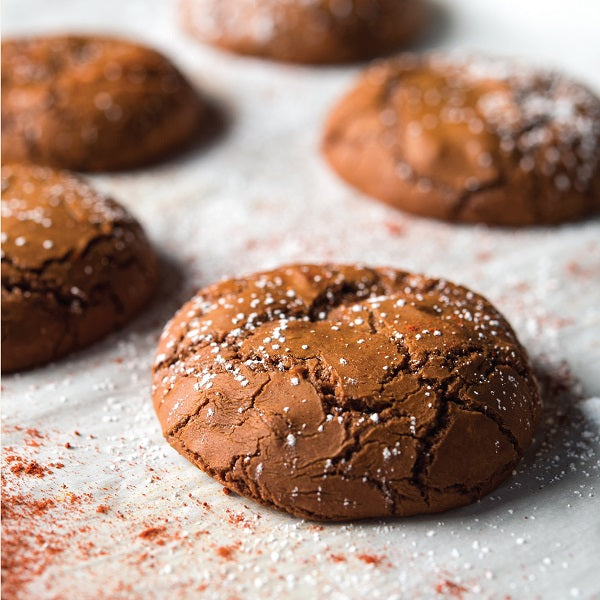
(340, 392)
(470, 139)
(93, 103)
(317, 31)
(75, 265)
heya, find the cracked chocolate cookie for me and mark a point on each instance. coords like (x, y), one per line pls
(470, 139)
(342, 392)
(75, 265)
(317, 31)
(93, 103)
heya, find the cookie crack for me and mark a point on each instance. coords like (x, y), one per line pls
(74, 302)
(467, 196)
(342, 294)
(39, 272)
(185, 420)
(426, 443)
(332, 297)
(482, 410)
(240, 486)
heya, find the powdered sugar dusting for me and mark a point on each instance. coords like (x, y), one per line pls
(536, 109)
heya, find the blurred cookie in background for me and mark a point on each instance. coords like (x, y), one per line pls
(92, 103)
(306, 31)
(470, 139)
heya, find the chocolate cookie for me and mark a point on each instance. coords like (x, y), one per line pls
(317, 31)
(470, 139)
(75, 265)
(93, 103)
(341, 392)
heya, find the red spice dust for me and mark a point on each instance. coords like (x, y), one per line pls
(234, 518)
(252, 245)
(41, 531)
(483, 256)
(11, 506)
(580, 271)
(201, 532)
(151, 533)
(395, 228)
(337, 558)
(33, 432)
(227, 552)
(32, 468)
(226, 491)
(450, 589)
(25, 555)
(371, 559)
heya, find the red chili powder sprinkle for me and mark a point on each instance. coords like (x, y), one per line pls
(234, 518)
(33, 437)
(102, 508)
(26, 505)
(24, 554)
(483, 256)
(33, 432)
(395, 228)
(33, 468)
(371, 559)
(337, 558)
(450, 588)
(578, 270)
(226, 552)
(151, 532)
